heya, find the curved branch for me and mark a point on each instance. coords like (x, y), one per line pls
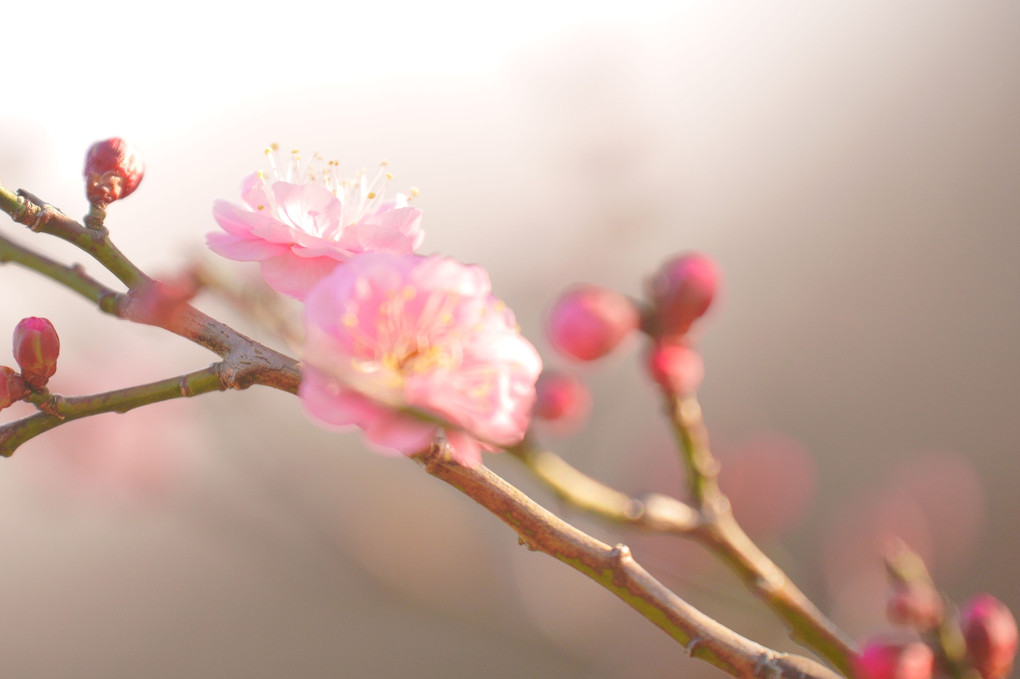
(615, 569)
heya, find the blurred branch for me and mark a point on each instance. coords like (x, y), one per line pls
(653, 512)
(615, 569)
(708, 519)
(721, 533)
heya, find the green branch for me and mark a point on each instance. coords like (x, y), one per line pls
(56, 410)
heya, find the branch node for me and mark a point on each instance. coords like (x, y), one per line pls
(621, 553)
(634, 509)
(183, 386)
(692, 646)
(32, 212)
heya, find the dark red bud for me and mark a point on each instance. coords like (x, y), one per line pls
(36, 347)
(113, 170)
(991, 634)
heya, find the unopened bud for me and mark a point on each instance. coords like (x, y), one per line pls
(561, 398)
(589, 321)
(682, 290)
(882, 659)
(918, 605)
(991, 634)
(113, 169)
(12, 388)
(36, 347)
(676, 367)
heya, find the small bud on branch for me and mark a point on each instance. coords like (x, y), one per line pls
(36, 348)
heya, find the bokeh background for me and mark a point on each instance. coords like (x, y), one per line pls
(852, 166)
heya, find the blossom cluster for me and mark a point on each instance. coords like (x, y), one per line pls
(406, 347)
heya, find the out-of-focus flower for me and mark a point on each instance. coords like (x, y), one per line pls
(589, 321)
(386, 333)
(883, 659)
(991, 634)
(562, 399)
(682, 290)
(113, 170)
(676, 367)
(916, 604)
(36, 348)
(160, 302)
(12, 388)
(300, 223)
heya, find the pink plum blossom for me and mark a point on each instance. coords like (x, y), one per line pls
(390, 337)
(300, 224)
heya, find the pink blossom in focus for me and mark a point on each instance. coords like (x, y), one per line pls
(388, 332)
(300, 223)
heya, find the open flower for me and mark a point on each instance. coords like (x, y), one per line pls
(300, 223)
(387, 335)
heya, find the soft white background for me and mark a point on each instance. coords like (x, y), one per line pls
(853, 167)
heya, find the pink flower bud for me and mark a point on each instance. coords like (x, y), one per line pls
(683, 289)
(991, 634)
(882, 659)
(918, 605)
(36, 347)
(589, 321)
(676, 367)
(113, 169)
(12, 389)
(561, 398)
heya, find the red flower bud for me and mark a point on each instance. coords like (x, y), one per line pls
(561, 398)
(881, 659)
(12, 388)
(683, 289)
(676, 367)
(113, 169)
(36, 347)
(991, 634)
(589, 321)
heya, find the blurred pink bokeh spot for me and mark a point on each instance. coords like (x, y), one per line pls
(770, 481)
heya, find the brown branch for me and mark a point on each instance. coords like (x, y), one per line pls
(709, 521)
(616, 569)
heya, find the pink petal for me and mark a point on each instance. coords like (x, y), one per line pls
(401, 433)
(465, 449)
(248, 224)
(293, 275)
(242, 249)
(336, 406)
(309, 207)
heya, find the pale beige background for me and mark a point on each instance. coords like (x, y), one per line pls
(854, 168)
